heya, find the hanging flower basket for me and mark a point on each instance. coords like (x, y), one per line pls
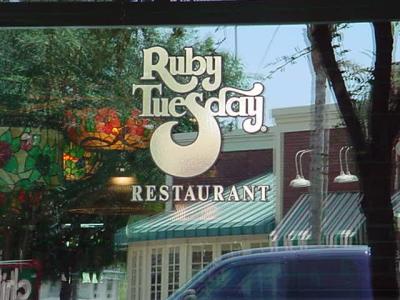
(107, 129)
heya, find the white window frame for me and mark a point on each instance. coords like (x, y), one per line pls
(190, 262)
(158, 251)
(175, 250)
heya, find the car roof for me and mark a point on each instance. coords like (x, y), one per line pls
(273, 251)
(297, 250)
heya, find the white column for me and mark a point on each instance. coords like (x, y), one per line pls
(129, 268)
(183, 264)
(146, 273)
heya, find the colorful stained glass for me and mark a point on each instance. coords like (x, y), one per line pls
(30, 158)
(106, 128)
(78, 163)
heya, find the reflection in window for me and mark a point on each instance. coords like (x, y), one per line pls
(139, 272)
(156, 265)
(201, 257)
(258, 245)
(340, 278)
(136, 274)
(255, 281)
(173, 270)
(109, 285)
(226, 248)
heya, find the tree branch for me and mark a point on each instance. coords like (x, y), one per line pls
(322, 36)
(381, 85)
(394, 105)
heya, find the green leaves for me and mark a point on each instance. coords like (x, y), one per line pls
(15, 145)
(43, 73)
(12, 165)
(49, 71)
(6, 137)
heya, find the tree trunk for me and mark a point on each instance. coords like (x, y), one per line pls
(374, 152)
(318, 145)
(375, 174)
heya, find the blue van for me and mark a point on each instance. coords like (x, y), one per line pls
(316, 272)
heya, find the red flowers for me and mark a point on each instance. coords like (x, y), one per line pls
(107, 121)
(107, 128)
(3, 199)
(21, 196)
(135, 124)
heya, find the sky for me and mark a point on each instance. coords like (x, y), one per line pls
(258, 46)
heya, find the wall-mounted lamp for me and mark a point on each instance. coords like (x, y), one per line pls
(345, 176)
(300, 181)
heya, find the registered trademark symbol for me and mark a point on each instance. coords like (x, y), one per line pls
(264, 128)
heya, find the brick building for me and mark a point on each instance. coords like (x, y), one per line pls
(165, 251)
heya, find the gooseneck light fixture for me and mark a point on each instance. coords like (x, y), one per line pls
(342, 176)
(300, 181)
(351, 177)
(345, 176)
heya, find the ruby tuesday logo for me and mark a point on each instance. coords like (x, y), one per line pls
(186, 75)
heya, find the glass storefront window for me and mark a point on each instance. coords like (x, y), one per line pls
(133, 157)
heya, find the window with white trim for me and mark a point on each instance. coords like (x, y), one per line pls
(156, 271)
(173, 269)
(136, 274)
(259, 245)
(201, 257)
(226, 248)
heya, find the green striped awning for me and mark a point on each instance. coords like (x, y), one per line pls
(343, 222)
(210, 218)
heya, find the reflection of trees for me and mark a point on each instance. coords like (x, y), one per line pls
(44, 73)
(373, 137)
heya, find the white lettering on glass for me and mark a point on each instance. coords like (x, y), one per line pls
(183, 75)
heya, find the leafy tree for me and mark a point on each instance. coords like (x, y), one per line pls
(43, 73)
(373, 138)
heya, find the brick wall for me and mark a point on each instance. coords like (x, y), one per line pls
(295, 141)
(232, 167)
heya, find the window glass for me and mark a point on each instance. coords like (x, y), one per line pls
(156, 274)
(262, 281)
(331, 278)
(226, 248)
(135, 159)
(201, 257)
(173, 269)
(258, 245)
